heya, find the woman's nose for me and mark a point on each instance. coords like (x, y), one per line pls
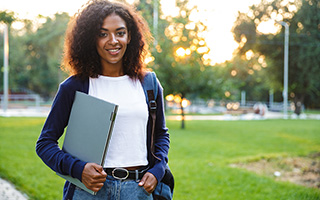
(113, 40)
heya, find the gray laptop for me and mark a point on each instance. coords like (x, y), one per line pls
(89, 131)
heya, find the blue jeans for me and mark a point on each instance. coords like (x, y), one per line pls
(114, 189)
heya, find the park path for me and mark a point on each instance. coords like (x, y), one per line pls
(9, 192)
(43, 112)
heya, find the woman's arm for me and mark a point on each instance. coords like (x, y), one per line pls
(47, 145)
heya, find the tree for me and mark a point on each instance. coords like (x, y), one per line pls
(305, 67)
(180, 54)
(304, 48)
(44, 53)
(7, 17)
(246, 73)
(35, 56)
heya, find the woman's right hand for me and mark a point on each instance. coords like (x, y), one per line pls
(93, 176)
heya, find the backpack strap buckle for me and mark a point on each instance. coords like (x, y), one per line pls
(152, 105)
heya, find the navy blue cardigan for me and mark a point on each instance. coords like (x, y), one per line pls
(47, 145)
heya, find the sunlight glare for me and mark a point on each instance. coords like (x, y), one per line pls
(249, 54)
(177, 98)
(202, 42)
(233, 73)
(170, 97)
(202, 50)
(261, 59)
(148, 59)
(185, 103)
(191, 26)
(188, 52)
(181, 52)
(268, 27)
(131, 1)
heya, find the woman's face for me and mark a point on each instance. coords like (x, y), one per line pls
(112, 41)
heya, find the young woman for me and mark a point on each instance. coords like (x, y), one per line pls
(104, 49)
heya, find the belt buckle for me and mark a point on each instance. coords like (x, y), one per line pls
(121, 170)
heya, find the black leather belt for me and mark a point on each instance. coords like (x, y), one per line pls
(123, 174)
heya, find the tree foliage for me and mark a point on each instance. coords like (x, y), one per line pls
(35, 54)
(7, 17)
(303, 17)
(179, 53)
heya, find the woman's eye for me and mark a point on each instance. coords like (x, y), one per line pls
(103, 34)
(121, 33)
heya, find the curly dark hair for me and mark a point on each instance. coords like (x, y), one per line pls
(80, 54)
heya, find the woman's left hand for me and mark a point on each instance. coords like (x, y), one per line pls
(149, 182)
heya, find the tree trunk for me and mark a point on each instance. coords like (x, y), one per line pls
(182, 113)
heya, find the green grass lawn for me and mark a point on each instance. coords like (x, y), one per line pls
(199, 157)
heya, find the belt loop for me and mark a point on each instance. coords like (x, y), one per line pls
(137, 175)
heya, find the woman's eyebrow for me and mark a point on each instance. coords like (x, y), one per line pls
(120, 28)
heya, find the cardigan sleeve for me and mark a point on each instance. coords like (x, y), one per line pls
(161, 140)
(47, 145)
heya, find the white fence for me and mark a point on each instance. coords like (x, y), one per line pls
(22, 100)
(221, 106)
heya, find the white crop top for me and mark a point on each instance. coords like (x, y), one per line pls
(128, 144)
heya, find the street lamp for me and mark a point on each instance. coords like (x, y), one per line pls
(6, 68)
(286, 68)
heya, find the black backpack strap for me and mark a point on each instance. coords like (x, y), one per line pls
(150, 88)
(152, 111)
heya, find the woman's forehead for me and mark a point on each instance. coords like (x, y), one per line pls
(113, 21)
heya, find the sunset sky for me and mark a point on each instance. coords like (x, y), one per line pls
(219, 16)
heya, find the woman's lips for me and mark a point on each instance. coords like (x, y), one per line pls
(114, 51)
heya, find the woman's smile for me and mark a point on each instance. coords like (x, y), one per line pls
(114, 51)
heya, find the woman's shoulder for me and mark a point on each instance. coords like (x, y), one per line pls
(72, 80)
(75, 83)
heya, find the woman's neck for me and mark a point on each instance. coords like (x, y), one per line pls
(112, 70)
